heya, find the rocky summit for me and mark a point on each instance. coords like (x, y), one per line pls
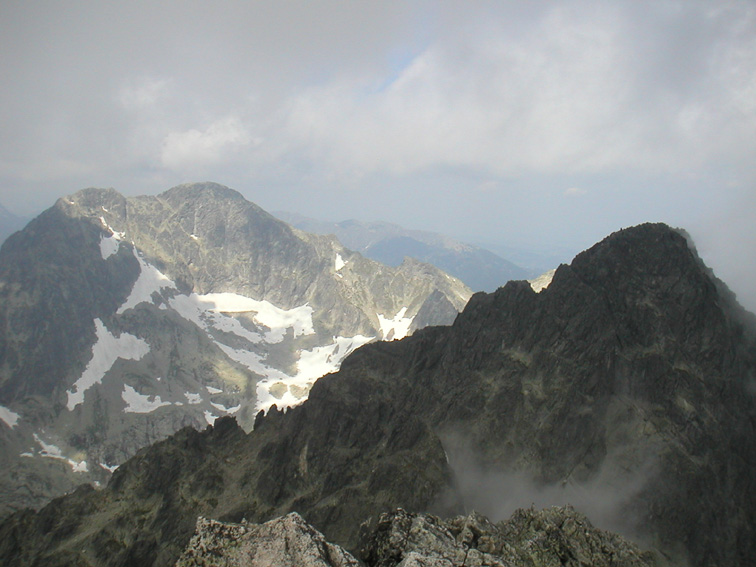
(123, 320)
(625, 387)
(558, 537)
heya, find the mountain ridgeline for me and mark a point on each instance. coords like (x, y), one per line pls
(625, 387)
(390, 244)
(123, 320)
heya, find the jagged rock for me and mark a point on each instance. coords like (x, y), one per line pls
(625, 387)
(553, 537)
(284, 542)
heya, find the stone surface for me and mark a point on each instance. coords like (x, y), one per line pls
(553, 537)
(284, 542)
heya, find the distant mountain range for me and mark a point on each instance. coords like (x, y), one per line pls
(123, 320)
(625, 386)
(9, 223)
(388, 243)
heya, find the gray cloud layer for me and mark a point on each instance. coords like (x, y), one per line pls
(553, 122)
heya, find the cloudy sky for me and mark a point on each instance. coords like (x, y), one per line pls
(539, 124)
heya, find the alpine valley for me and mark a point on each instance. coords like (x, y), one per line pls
(625, 387)
(124, 320)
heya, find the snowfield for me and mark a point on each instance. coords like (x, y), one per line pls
(106, 350)
(139, 403)
(9, 417)
(542, 282)
(399, 324)
(53, 452)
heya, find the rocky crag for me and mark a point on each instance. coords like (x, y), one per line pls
(625, 387)
(558, 537)
(123, 320)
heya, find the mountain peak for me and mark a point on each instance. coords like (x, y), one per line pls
(205, 189)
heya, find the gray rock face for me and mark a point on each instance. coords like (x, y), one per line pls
(284, 542)
(553, 537)
(123, 320)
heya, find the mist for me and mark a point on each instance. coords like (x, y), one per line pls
(608, 498)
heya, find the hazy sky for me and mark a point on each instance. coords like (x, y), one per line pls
(516, 123)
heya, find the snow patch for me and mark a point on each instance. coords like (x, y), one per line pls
(51, 451)
(230, 325)
(323, 360)
(212, 390)
(105, 352)
(109, 245)
(397, 327)
(194, 237)
(9, 417)
(288, 391)
(339, 262)
(210, 418)
(139, 403)
(224, 409)
(253, 361)
(299, 319)
(542, 282)
(208, 310)
(150, 280)
(193, 398)
(117, 235)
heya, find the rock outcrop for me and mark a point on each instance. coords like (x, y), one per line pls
(284, 542)
(553, 537)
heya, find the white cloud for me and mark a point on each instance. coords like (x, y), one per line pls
(569, 95)
(575, 192)
(193, 149)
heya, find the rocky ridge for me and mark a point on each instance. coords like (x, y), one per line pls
(123, 320)
(624, 388)
(558, 537)
(286, 542)
(390, 244)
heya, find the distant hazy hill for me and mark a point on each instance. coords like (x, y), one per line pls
(388, 243)
(9, 223)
